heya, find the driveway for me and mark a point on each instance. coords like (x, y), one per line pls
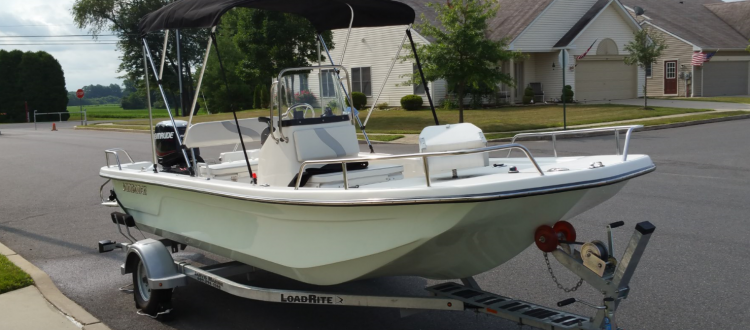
(719, 106)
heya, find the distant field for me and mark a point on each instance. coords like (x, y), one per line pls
(114, 111)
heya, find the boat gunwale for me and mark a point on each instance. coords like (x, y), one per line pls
(410, 201)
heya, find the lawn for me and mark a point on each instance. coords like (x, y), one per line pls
(12, 277)
(727, 99)
(380, 137)
(492, 120)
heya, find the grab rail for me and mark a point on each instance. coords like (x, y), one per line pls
(117, 156)
(616, 129)
(424, 157)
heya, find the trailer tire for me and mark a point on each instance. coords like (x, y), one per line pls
(151, 302)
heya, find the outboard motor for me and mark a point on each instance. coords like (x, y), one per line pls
(168, 150)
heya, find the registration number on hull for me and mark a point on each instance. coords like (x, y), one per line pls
(134, 188)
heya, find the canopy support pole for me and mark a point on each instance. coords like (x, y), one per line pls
(355, 115)
(393, 63)
(179, 74)
(163, 54)
(421, 74)
(166, 104)
(150, 114)
(200, 81)
(231, 106)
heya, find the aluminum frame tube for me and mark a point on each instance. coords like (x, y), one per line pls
(163, 54)
(179, 72)
(166, 104)
(150, 113)
(351, 103)
(200, 81)
(386, 80)
(421, 74)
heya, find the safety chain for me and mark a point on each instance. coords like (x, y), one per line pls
(554, 278)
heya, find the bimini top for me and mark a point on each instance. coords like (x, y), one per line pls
(323, 14)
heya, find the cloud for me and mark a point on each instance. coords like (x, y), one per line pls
(83, 64)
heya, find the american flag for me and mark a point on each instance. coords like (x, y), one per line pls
(587, 51)
(699, 58)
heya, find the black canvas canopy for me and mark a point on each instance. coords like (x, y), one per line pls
(323, 14)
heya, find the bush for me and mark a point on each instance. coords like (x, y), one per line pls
(449, 103)
(568, 94)
(359, 100)
(257, 98)
(382, 106)
(528, 95)
(133, 101)
(304, 96)
(411, 102)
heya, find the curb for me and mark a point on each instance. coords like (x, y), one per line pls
(54, 296)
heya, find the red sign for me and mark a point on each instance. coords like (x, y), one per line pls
(79, 93)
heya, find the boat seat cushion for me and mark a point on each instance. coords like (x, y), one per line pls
(326, 143)
(233, 167)
(369, 175)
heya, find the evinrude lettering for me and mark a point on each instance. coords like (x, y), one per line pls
(310, 299)
(163, 135)
(134, 188)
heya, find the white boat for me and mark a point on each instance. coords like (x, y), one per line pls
(324, 213)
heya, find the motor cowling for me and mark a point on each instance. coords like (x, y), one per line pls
(168, 150)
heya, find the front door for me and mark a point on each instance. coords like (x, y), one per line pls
(670, 77)
(520, 86)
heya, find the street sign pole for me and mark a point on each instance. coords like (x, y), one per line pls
(79, 95)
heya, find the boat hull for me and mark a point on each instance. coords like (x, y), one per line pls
(316, 245)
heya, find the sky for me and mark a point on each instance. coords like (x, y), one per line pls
(83, 64)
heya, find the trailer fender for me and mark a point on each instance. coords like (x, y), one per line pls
(160, 267)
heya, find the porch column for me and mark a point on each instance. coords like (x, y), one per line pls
(513, 89)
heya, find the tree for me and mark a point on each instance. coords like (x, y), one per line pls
(35, 78)
(255, 46)
(121, 17)
(461, 52)
(644, 50)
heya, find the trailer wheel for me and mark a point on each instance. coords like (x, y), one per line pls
(148, 300)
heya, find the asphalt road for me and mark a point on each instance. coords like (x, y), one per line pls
(694, 274)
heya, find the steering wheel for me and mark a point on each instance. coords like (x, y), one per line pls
(300, 105)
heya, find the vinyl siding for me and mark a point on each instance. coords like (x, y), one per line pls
(551, 25)
(609, 25)
(550, 78)
(376, 48)
(676, 50)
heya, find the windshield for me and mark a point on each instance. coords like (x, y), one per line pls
(308, 93)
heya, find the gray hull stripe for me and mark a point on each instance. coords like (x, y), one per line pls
(247, 131)
(330, 142)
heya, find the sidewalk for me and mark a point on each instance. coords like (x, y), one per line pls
(41, 306)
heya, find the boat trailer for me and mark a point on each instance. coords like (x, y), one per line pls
(595, 266)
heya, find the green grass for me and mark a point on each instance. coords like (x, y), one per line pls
(727, 99)
(493, 136)
(674, 120)
(513, 118)
(12, 277)
(383, 138)
(492, 120)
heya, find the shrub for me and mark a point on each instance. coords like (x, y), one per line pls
(304, 96)
(411, 102)
(568, 94)
(333, 105)
(382, 106)
(528, 95)
(257, 97)
(359, 100)
(449, 103)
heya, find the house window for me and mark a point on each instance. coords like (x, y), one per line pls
(671, 70)
(649, 70)
(327, 81)
(361, 81)
(303, 85)
(418, 88)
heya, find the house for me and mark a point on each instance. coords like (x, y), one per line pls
(710, 27)
(540, 29)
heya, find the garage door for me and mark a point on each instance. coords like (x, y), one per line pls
(605, 80)
(725, 78)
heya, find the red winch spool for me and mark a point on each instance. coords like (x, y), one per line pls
(565, 231)
(546, 238)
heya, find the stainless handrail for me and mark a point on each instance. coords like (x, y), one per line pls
(117, 156)
(424, 157)
(616, 129)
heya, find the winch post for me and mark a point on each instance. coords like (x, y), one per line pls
(613, 288)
